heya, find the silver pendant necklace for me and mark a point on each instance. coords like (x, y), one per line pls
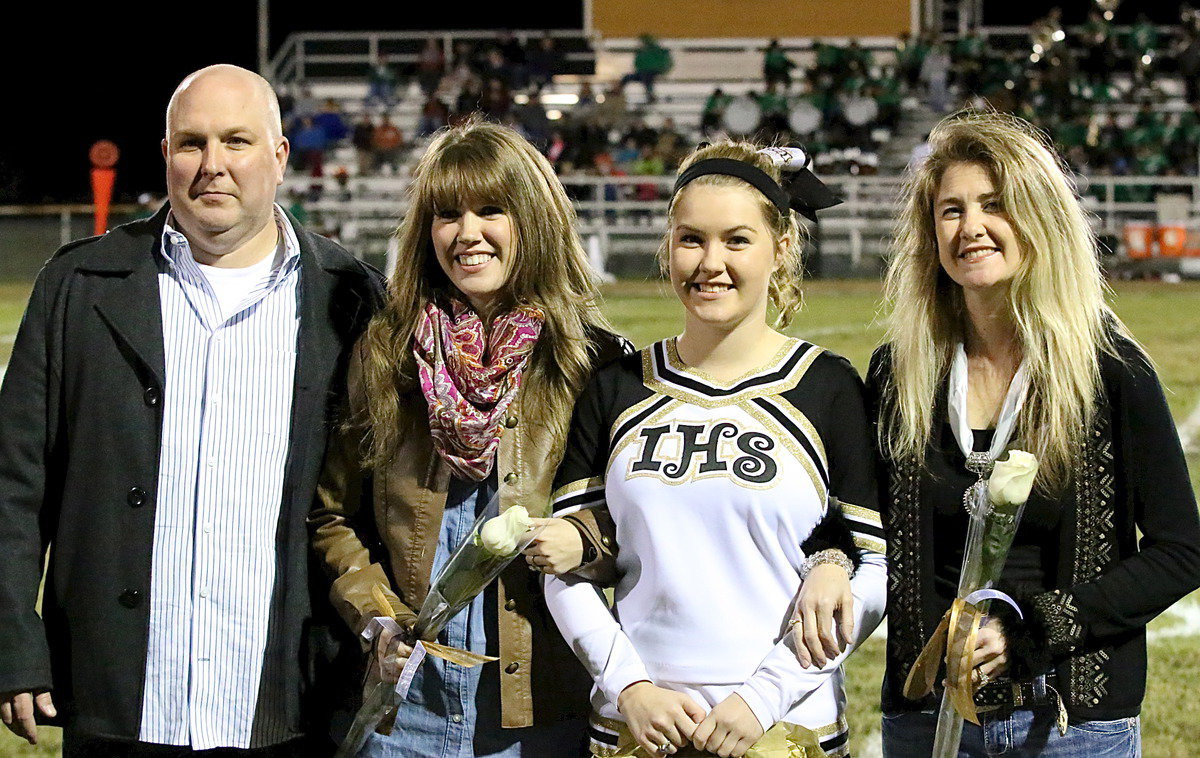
(980, 463)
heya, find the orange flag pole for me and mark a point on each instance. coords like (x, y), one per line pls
(104, 155)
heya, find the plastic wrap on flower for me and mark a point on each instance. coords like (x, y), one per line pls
(995, 514)
(495, 540)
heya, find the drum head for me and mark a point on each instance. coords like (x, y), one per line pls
(742, 115)
(861, 110)
(804, 118)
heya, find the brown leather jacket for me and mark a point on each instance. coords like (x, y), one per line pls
(381, 527)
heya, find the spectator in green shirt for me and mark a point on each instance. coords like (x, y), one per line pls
(777, 66)
(714, 111)
(828, 57)
(651, 61)
(1099, 47)
(1142, 38)
(967, 55)
(910, 54)
(887, 94)
(774, 108)
(857, 55)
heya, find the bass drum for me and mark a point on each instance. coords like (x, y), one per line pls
(804, 118)
(861, 110)
(742, 116)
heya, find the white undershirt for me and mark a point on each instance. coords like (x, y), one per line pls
(233, 285)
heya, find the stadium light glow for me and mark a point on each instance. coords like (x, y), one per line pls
(1146, 59)
(564, 98)
(554, 115)
(1059, 35)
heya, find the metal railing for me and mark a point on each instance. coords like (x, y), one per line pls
(29, 234)
(621, 227)
(625, 215)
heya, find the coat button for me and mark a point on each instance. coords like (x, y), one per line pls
(136, 497)
(510, 422)
(511, 477)
(130, 598)
(512, 668)
(152, 396)
(510, 604)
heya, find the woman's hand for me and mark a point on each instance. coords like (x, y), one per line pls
(990, 658)
(730, 729)
(389, 653)
(558, 549)
(659, 718)
(825, 596)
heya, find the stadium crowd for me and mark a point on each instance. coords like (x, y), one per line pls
(1100, 91)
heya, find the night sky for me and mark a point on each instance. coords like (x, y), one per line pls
(107, 73)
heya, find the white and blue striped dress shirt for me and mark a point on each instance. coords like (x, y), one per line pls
(226, 419)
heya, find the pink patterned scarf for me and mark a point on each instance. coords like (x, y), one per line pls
(469, 378)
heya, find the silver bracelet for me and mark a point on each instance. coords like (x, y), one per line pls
(831, 555)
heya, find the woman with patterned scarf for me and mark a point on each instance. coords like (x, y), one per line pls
(462, 387)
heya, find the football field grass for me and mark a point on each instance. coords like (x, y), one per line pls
(842, 316)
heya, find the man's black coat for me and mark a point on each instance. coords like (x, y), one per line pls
(80, 421)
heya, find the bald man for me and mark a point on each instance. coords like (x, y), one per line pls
(162, 424)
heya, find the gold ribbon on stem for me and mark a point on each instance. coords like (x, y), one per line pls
(464, 658)
(956, 635)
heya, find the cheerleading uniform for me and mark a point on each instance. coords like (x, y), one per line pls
(714, 490)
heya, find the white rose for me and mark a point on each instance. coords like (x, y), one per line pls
(1012, 478)
(499, 535)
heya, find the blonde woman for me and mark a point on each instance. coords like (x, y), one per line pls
(999, 337)
(460, 388)
(716, 453)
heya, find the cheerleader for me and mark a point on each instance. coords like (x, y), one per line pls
(720, 455)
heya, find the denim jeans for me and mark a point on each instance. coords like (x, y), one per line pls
(1026, 732)
(452, 711)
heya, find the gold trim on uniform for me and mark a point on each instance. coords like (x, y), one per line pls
(654, 381)
(806, 426)
(788, 440)
(862, 514)
(675, 362)
(870, 543)
(628, 413)
(574, 488)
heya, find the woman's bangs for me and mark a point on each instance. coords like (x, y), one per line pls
(466, 177)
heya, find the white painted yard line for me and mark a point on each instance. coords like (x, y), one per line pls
(834, 331)
(2, 370)
(1189, 430)
(1188, 613)
(873, 745)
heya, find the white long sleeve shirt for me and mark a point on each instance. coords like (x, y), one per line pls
(713, 490)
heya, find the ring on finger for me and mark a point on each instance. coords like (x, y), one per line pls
(665, 748)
